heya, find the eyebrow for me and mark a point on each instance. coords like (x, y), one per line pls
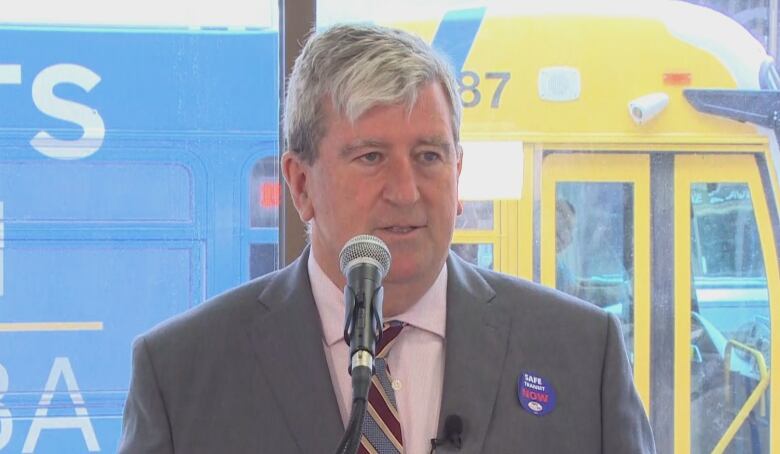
(361, 143)
(434, 141)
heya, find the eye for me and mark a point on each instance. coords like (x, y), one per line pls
(371, 157)
(430, 156)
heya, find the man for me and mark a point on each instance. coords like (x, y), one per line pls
(372, 119)
(565, 223)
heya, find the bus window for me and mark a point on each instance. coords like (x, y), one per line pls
(730, 313)
(264, 198)
(477, 233)
(594, 245)
(477, 215)
(754, 15)
(262, 259)
(477, 254)
(265, 192)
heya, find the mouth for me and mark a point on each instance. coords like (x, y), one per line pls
(400, 229)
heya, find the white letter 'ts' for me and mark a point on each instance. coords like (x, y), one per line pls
(89, 119)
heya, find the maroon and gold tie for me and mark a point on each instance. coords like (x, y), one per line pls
(382, 425)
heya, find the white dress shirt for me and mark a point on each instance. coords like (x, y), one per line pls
(416, 360)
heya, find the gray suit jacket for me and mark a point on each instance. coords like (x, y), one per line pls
(246, 373)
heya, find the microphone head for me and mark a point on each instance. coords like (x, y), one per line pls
(365, 249)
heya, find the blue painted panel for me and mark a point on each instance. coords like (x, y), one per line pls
(96, 191)
(92, 282)
(456, 34)
(150, 81)
(122, 236)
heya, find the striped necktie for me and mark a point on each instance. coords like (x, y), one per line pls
(382, 426)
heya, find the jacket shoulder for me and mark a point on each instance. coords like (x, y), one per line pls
(530, 299)
(221, 312)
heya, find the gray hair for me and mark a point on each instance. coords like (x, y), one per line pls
(359, 67)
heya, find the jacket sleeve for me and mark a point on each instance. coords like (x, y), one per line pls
(145, 426)
(624, 424)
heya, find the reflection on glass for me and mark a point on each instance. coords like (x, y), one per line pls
(262, 259)
(730, 319)
(477, 254)
(264, 193)
(332, 12)
(477, 215)
(594, 246)
(754, 15)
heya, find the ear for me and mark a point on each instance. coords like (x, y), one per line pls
(457, 178)
(296, 173)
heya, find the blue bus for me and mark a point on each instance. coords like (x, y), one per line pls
(137, 178)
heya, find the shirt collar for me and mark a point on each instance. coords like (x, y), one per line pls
(428, 313)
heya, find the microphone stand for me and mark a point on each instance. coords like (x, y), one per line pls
(362, 330)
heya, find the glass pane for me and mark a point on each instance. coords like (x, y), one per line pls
(171, 14)
(754, 15)
(477, 254)
(477, 215)
(262, 259)
(730, 330)
(594, 246)
(264, 193)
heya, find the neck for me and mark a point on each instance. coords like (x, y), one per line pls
(398, 296)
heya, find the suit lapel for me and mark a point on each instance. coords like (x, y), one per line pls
(287, 338)
(475, 348)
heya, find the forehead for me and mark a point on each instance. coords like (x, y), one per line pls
(429, 114)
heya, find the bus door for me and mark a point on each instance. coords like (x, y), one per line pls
(726, 298)
(594, 237)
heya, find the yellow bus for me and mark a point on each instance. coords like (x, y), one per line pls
(630, 152)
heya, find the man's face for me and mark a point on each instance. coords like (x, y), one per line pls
(390, 174)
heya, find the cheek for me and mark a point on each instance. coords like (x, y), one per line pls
(343, 203)
(325, 193)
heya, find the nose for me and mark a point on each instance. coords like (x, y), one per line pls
(401, 181)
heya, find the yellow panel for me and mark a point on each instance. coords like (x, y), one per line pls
(611, 75)
(709, 144)
(508, 238)
(682, 305)
(603, 167)
(773, 177)
(523, 246)
(519, 42)
(708, 168)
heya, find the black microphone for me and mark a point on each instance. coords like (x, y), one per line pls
(365, 261)
(453, 429)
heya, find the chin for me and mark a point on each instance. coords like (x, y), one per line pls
(400, 273)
